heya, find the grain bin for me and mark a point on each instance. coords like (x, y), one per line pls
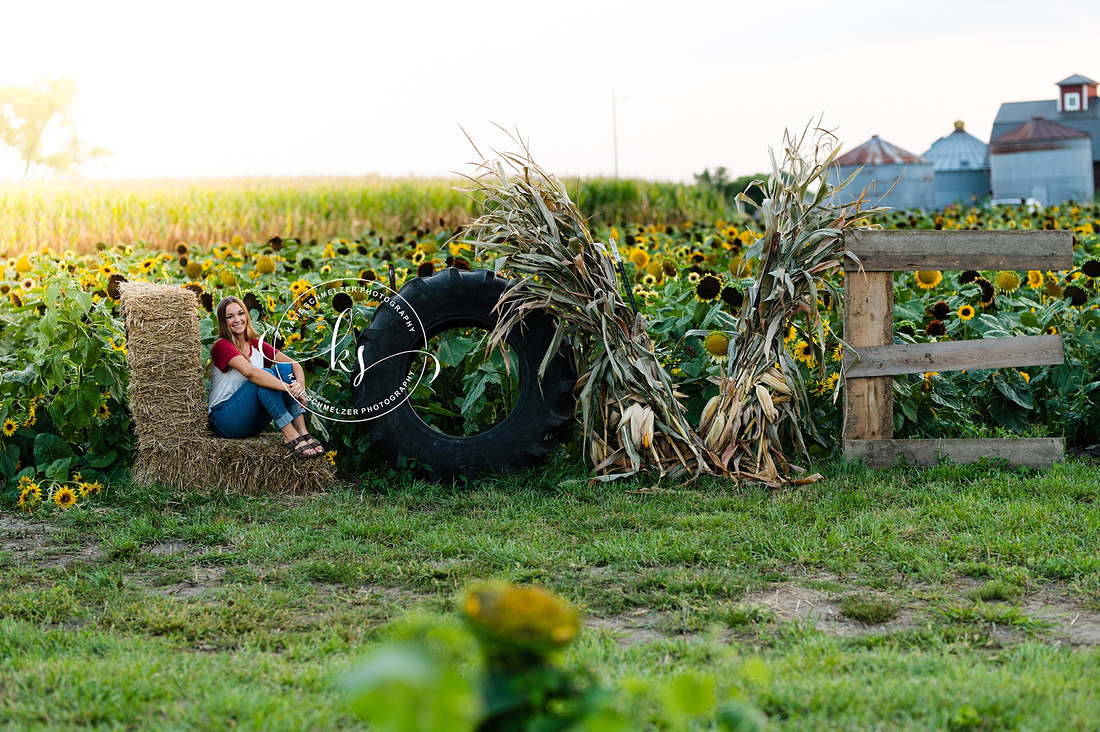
(1044, 160)
(885, 165)
(961, 163)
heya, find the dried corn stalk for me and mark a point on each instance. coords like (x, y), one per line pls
(629, 410)
(762, 397)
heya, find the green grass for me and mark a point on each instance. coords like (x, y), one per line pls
(202, 611)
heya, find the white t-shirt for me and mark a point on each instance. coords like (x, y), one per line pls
(223, 384)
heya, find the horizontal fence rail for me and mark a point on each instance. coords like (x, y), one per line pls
(919, 358)
(910, 250)
(868, 430)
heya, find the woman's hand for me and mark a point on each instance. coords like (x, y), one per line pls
(298, 391)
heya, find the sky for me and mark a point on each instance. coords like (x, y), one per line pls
(656, 90)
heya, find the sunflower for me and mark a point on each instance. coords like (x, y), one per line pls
(1034, 279)
(837, 354)
(733, 296)
(717, 344)
(668, 269)
(640, 257)
(228, 278)
(649, 280)
(826, 385)
(1051, 330)
(940, 310)
(935, 328)
(693, 277)
(64, 497)
(103, 412)
(265, 265)
(10, 427)
(966, 312)
(298, 286)
(927, 279)
(418, 257)
(986, 298)
(1077, 295)
(1007, 281)
(1027, 377)
(708, 287)
(331, 457)
(804, 352)
(1091, 267)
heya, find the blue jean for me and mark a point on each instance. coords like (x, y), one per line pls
(252, 407)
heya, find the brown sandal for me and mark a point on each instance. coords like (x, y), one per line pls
(313, 443)
(298, 446)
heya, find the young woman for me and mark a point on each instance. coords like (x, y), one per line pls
(250, 386)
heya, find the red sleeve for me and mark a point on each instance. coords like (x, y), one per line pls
(221, 353)
(270, 352)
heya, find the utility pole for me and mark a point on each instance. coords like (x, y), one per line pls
(615, 133)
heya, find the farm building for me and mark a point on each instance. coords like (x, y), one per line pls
(1076, 107)
(1044, 160)
(885, 165)
(961, 164)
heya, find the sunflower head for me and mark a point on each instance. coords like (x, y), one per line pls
(10, 427)
(717, 344)
(64, 497)
(1007, 281)
(966, 312)
(968, 276)
(708, 287)
(927, 279)
(640, 257)
(986, 298)
(940, 310)
(1034, 279)
(265, 265)
(935, 328)
(804, 352)
(1077, 295)
(1091, 267)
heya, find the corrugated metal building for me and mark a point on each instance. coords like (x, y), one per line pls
(885, 165)
(1044, 160)
(1076, 107)
(961, 164)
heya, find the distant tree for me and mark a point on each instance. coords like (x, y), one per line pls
(721, 183)
(31, 117)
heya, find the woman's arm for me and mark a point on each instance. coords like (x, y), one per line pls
(264, 378)
(281, 357)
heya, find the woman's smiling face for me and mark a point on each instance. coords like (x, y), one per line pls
(236, 318)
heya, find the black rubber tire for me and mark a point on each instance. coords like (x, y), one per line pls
(455, 298)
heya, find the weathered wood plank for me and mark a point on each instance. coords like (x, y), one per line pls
(869, 321)
(909, 250)
(1038, 452)
(990, 353)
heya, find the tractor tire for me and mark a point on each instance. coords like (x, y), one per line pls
(455, 298)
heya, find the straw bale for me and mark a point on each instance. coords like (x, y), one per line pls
(168, 403)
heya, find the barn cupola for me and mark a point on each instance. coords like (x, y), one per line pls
(1076, 93)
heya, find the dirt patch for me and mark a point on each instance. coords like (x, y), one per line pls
(33, 541)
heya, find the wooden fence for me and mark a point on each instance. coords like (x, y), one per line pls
(869, 327)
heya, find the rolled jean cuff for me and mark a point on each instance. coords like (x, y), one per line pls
(283, 420)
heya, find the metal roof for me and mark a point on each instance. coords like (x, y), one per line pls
(877, 151)
(958, 151)
(1076, 79)
(1036, 129)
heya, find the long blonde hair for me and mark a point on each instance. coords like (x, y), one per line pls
(250, 333)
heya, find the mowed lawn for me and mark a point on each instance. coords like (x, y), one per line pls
(964, 598)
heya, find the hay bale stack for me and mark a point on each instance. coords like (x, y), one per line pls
(168, 402)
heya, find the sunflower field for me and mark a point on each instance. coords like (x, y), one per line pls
(66, 430)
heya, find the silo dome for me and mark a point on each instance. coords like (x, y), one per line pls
(1042, 159)
(961, 163)
(885, 165)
